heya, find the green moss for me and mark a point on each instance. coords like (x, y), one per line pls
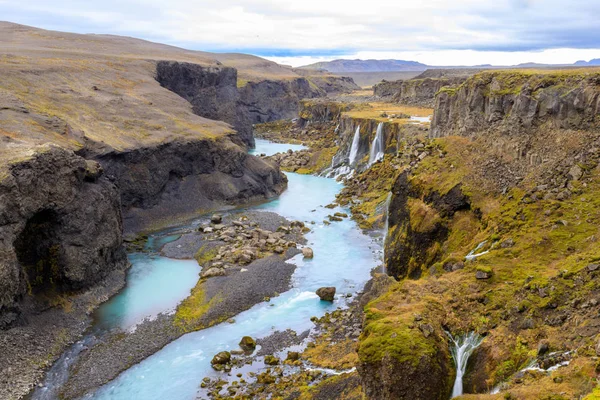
(423, 218)
(205, 254)
(189, 313)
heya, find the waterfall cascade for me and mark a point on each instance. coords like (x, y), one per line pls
(354, 148)
(461, 351)
(378, 146)
(472, 255)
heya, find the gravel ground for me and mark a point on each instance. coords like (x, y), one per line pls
(27, 351)
(118, 350)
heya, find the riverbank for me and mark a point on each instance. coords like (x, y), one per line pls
(239, 287)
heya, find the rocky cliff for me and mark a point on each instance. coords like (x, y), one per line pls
(270, 100)
(492, 232)
(60, 224)
(419, 92)
(162, 184)
(515, 102)
(211, 90)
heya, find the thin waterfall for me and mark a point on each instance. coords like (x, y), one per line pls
(461, 351)
(378, 146)
(386, 227)
(354, 148)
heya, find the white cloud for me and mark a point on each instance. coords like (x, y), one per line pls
(460, 31)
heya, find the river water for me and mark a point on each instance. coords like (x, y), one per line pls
(344, 257)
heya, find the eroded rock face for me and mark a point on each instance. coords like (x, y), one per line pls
(409, 240)
(178, 178)
(419, 92)
(60, 229)
(268, 100)
(212, 91)
(514, 103)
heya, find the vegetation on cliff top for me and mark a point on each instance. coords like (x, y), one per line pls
(513, 81)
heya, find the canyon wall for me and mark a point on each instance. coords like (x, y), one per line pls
(212, 91)
(515, 102)
(507, 154)
(60, 228)
(271, 100)
(419, 92)
(162, 184)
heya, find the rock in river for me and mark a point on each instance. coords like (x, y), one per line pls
(220, 359)
(247, 343)
(307, 252)
(326, 293)
(216, 218)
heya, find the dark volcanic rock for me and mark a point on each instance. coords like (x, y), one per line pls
(511, 102)
(212, 91)
(269, 100)
(59, 231)
(419, 92)
(415, 243)
(326, 293)
(176, 179)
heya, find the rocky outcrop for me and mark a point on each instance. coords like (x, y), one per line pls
(514, 102)
(403, 352)
(212, 91)
(181, 178)
(420, 92)
(319, 111)
(271, 100)
(332, 84)
(417, 221)
(60, 229)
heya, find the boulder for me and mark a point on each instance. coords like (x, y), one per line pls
(247, 343)
(326, 293)
(483, 273)
(543, 348)
(593, 267)
(214, 271)
(221, 358)
(216, 219)
(575, 173)
(307, 252)
(271, 360)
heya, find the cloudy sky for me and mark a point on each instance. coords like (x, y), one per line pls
(297, 32)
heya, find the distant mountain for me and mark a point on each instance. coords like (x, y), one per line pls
(342, 66)
(595, 61)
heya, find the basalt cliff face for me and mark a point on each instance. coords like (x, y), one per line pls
(421, 92)
(212, 91)
(514, 102)
(180, 179)
(270, 100)
(60, 228)
(493, 231)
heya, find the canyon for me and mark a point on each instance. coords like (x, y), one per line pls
(449, 208)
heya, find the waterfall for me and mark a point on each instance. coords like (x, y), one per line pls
(378, 146)
(461, 351)
(354, 148)
(472, 255)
